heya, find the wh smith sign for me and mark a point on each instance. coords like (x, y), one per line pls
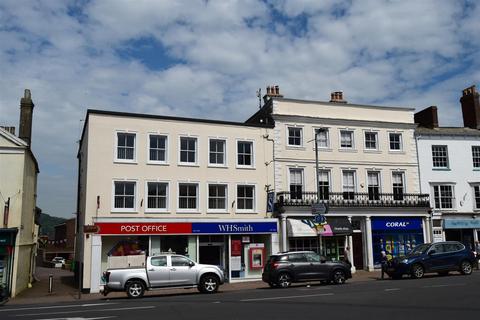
(386, 224)
(233, 228)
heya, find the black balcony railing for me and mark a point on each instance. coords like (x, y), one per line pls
(354, 199)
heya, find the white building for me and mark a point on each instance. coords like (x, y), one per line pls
(18, 194)
(449, 161)
(151, 184)
(368, 176)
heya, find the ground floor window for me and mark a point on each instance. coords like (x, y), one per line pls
(334, 248)
(397, 243)
(305, 244)
(248, 256)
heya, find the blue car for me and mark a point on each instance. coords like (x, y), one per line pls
(439, 257)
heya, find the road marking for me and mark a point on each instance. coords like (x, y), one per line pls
(64, 306)
(445, 285)
(96, 318)
(314, 288)
(217, 302)
(77, 311)
(288, 297)
(392, 289)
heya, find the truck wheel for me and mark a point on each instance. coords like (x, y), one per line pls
(135, 289)
(208, 284)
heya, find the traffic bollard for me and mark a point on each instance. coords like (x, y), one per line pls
(50, 283)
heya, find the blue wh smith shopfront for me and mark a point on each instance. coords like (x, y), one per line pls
(395, 235)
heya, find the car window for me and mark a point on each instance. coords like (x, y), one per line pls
(313, 257)
(178, 261)
(452, 247)
(459, 246)
(419, 250)
(159, 261)
(439, 248)
(297, 257)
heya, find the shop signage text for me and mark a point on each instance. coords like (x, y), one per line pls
(396, 223)
(461, 223)
(232, 228)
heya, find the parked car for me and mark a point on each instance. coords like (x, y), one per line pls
(58, 260)
(282, 269)
(439, 257)
(164, 271)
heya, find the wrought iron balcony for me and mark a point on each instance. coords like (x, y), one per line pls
(354, 199)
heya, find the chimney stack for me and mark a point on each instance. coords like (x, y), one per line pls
(272, 91)
(26, 114)
(9, 129)
(337, 97)
(427, 118)
(470, 108)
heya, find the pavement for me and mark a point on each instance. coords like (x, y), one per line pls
(64, 289)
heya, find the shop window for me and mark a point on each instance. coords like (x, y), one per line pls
(294, 136)
(125, 146)
(443, 196)
(158, 148)
(440, 156)
(188, 150)
(373, 185)
(188, 194)
(217, 152)
(296, 184)
(124, 197)
(174, 244)
(245, 153)
(476, 156)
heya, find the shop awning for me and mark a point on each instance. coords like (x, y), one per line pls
(340, 226)
(299, 228)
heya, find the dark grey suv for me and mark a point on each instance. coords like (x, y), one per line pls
(282, 269)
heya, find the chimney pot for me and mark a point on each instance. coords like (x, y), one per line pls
(337, 96)
(277, 90)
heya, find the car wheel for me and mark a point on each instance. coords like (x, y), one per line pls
(339, 277)
(417, 271)
(209, 283)
(466, 268)
(135, 289)
(284, 280)
(443, 273)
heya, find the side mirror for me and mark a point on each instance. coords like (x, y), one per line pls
(323, 260)
(431, 252)
(191, 264)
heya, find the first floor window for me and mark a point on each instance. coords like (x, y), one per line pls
(476, 193)
(245, 197)
(124, 197)
(125, 146)
(397, 185)
(157, 194)
(217, 196)
(373, 185)
(296, 184)
(324, 184)
(476, 156)
(322, 137)
(440, 156)
(443, 196)
(245, 153)
(187, 197)
(348, 185)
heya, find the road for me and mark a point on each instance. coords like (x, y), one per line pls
(450, 297)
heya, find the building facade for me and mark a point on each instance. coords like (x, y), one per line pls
(18, 213)
(151, 184)
(449, 159)
(367, 178)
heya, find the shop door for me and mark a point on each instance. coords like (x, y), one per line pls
(358, 250)
(211, 254)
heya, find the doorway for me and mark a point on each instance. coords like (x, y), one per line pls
(212, 253)
(357, 239)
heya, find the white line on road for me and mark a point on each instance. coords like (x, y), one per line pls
(64, 306)
(87, 310)
(78, 318)
(392, 289)
(314, 288)
(445, 285)
(288, 297)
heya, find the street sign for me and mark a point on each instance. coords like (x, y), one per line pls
(319, 208)
(270, 201)
(320, 219)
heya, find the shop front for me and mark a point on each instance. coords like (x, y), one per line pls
(7, 245)
(239, 247)
(462, 230)
(395, 235)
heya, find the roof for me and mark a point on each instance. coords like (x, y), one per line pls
(19, 142)
(448, 131)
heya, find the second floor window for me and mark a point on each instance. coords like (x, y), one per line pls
(296, 184)
(324, 184)
(476, 156)
(443, 196)
(346, 139)
(245, 153)
(348, 185)
(125, 146)
(188, 150)
(124, 197)
(322, 137)
(158, 148)
(440, 156)
(373, 179)
(371, 140)
(245, 197)
(476, 194)
(217, 152)
(294, 136)
(395, 141)
(397, 185)
(188, 196)
(157, 195)
(217, 196)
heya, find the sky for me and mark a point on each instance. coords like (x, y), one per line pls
(208, 58)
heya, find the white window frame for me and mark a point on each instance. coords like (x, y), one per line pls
(473, 158)
(225, 153)
(157, 210)
(327, 130)
(241, 166)
(135, 197)
(115, 151)
(474, 200)
(355, 180)
(255, 197)
(224, 210)
(377, 140)
(404, 179)
(166, 161)
(288, 136)
(401, 141)
(352, 131)
(448, 157)
(188, 164)
(452, 185)
(329, 177)
(290, 177)
(183, 210)
(379, 173)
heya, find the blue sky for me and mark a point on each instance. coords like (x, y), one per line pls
(208, 58)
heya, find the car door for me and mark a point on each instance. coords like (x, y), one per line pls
(454, 255)
(181, 271)
(158, 272)
(317, 269)
(297, 263)
(436, 258)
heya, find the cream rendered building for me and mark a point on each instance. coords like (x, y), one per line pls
(18, 190)
(368, 177)
(150, 184)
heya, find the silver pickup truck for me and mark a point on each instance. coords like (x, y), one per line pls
(164, 271)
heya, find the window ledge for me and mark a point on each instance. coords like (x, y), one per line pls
(320, 149)
(218, 212)
(348, 150)
(245, 167)
(157, 163)
(246, 212)
(187, 211)
(441, 169)
(123, 211)
(125, 161)
(372, 151)
(151, 211)
(397, 151)
(293, 147)
(187, 164)
(476, 169)
(217, 166)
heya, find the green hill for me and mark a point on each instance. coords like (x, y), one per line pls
(47, 224)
